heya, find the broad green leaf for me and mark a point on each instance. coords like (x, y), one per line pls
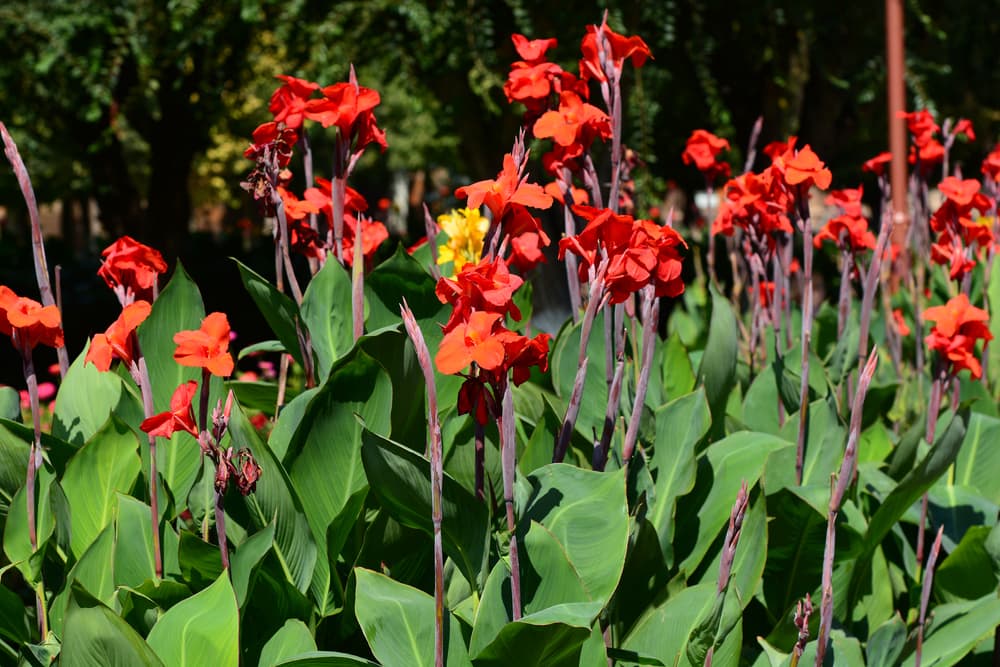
(734, 459)
(86, 398)
(547, 580)
(553, 637)
(293, 639)
(565, 361)
(680, 426)
(400, 479)
(678, 376)
(941, 455)
(663, 631)
(261, 396)
(275, 346)
(108, 464)
(248, 555)
(587, 512)
(288, 422)
(886, 643)
(397, 278)
(978, 462)
(95, 569)
(956, 629)
(795, 550)
(326, 311)
(95, 635)
(278, 310)
(325, 451)
(16, 537)
(133, 553)
(200, 561)
(178, 308)
(10, 403)
(202, 630)
(958, 577)
(13, 463)
(398, 622)
(826, 439)
(276, 500)
(717, 371)
(15, 625)
(326, 659)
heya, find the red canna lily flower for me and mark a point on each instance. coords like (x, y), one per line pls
(991, 165)
(901, 326)
(532, 51)
(964, 128)
(848, 231)
(964, 193)
(471, 341)
(878, 164)
(506, 189)
(921, 126)
(28, 323)
(349, 107)
(295, 208)
(119, 340)
(958, 326)
(180, 417)
(206, 347)
(486, 286)
(848, 200)
(288, 102)
(273, 137)
(702, 150)
(804, 168)
(131, 267)
(576, 123)
(373, 233)
(615, 48)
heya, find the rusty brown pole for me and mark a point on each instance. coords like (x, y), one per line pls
(897, 132)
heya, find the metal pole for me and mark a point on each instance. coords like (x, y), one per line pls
(897, 132)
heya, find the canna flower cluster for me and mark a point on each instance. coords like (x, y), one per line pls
(346, 106)
(760, 204)
(639, 252)
(959, 230)
(481, 296)
(28, 323)
(958, 326)
(926, 150)
(508, 198)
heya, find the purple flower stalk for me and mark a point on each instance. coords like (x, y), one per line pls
(437, 474)
(839, 484)
(651, 312)
(925, 595)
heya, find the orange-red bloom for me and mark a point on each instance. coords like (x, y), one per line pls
(373, 233)
(848, 231)
(921, 126)
(349, 107)
(616, 48)
(848, 200)
(471, 341)
(575, 124)
(132, 266)
(991, 165)
(288, 102)
(27, 322)
(487, 286)
(180, 417)
(901, 326)
(804, 168)
(206, 347)
(532, 51)
(702, 150)
(878, 164)
(958, 326)
(119, 340)
(506, 189)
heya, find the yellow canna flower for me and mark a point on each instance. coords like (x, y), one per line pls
(465, 229)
